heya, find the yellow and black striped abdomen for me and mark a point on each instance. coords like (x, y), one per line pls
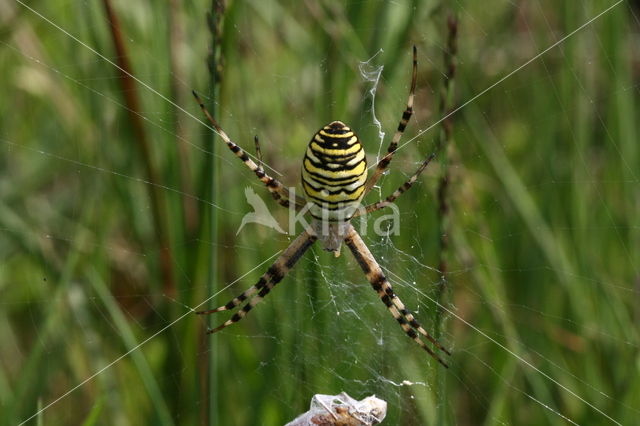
(334, 172)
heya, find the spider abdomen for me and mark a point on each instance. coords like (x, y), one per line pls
(334, 172)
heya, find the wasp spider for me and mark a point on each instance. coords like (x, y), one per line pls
(334, 178)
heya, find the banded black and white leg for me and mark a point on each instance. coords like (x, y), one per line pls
(256, 141)
(381, 285)
(398, 192)
(279, 192)
(383, 164)
(267, 282)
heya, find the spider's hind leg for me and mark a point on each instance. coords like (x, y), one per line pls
(385, 291)
(236, 301)
(273, 276)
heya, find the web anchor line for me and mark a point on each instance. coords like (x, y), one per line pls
(509, 351)
(118, 67)
(139, 345)
(526, 63)
(148, 87)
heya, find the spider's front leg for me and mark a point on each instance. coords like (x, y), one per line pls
(383, 164)
(385, 291)
(398, 192)
(279, 192)
(273, 276)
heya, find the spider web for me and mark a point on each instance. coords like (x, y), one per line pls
(540, 308)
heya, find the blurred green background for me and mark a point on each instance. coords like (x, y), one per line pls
(119, 211)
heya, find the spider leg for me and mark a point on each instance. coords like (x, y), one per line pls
(277, 190)
(383, 164)
(236, 301)
(273, 276)
(385, 291)
(398, 192)
(258, 150)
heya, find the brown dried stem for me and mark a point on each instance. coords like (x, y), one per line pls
(130, 94)
(176, 62)
(445, 144)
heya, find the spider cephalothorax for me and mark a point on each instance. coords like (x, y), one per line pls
(334, 178)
